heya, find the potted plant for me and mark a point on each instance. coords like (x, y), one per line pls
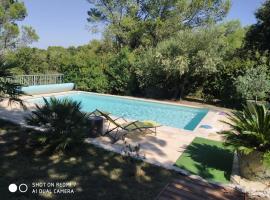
(250, 136)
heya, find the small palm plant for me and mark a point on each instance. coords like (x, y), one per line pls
(250, 133)
(64, 123)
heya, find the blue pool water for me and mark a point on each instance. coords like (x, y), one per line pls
(165, 114)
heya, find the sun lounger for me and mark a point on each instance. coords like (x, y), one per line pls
(128, 127)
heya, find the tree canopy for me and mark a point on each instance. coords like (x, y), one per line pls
(10, 34)
(258, 36)
(190, 56)
(147, 22)
(11, 37)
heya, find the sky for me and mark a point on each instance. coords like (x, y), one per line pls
(63, 22)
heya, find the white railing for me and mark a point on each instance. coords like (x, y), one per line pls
(28, 80)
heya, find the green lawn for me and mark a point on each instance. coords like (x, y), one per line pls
(99, 174)
(208, 159)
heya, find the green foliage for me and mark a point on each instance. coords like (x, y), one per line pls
(28, 36)
(250, 130)
(16, 11)
(10, 38)
(234, 35)
(64, 123)
(258, 35)
(142, 23)
(222, 84)
(85, 67)
(82, 65)
(254, 84)
(170, 66)
(119, 72)
(28, 60)
(8, 89)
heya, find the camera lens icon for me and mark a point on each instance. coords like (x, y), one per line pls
(12, 187)
(22, 187)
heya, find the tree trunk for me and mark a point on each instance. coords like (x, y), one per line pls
(183, 85)
(182, 89)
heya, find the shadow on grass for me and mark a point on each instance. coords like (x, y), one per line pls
(210, 161)
(98, 174)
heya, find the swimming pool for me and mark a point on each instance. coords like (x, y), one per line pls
(166, 114)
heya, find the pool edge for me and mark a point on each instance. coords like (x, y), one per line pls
(189, 127)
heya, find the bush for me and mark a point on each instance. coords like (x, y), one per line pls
(170, 68)
(254, 84)
(64, 123)
(120, 72)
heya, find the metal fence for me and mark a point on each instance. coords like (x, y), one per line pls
(28, 80)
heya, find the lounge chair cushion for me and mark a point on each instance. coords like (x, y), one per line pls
(151, 123)
(139, 125)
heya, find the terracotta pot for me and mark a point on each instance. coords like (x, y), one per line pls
(252, 167)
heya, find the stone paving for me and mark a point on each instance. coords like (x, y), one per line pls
(169, 143)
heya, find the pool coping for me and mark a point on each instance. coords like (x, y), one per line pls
(202, 121)
(112, 95)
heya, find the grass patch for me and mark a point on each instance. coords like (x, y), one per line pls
(99, 174)
(208, 159)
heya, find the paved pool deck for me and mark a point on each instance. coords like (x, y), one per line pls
(165, 147)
